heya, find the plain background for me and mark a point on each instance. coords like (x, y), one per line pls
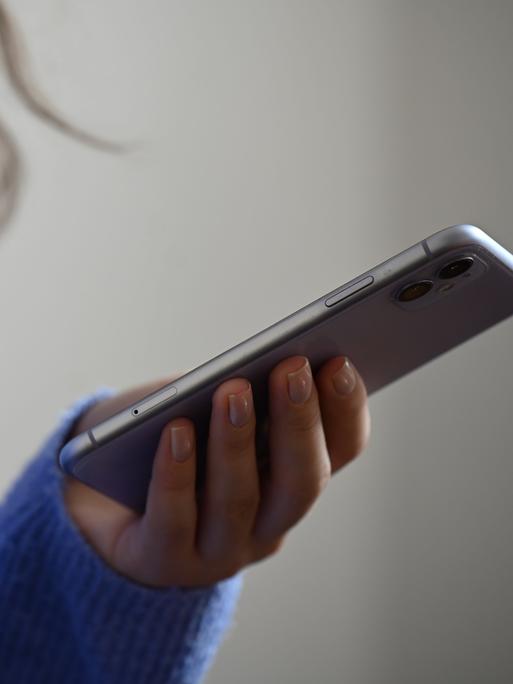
(282, 149)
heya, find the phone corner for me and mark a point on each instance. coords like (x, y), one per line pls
(458, 235)
(73, 451)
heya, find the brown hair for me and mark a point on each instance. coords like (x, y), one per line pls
(13, 54)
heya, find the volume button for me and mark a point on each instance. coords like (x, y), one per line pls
(154, 401)
(348, 291)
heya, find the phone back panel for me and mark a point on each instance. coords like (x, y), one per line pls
(385, 339)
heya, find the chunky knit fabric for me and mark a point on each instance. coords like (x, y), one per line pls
(65, 616)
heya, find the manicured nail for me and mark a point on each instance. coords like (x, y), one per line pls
(300, 383)
(240, 407)
(181, 442)
(344, 379)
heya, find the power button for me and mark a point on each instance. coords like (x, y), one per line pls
(349, 290)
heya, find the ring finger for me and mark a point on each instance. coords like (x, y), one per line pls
(299, 461)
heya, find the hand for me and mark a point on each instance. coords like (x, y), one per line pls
(313, 432)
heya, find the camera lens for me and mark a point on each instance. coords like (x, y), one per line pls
(456, 268)
(414, 291)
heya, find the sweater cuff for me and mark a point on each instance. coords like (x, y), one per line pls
(128, 631)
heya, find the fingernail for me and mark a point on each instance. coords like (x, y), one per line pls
(240, 406)
(344, 379)
(181, 442)
(300, 384)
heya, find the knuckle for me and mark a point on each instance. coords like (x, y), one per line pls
(347, 453)
(178, 535)
(317, 487)
(305, 490)
(169, 480)
(301, 495)
(304, 419)
(239, 510)
(242, 509)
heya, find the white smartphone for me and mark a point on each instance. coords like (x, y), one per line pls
(389, 321)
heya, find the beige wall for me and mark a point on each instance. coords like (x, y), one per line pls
(283, 148)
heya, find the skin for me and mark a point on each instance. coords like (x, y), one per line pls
(239, 520)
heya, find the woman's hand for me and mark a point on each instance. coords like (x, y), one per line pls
(314, 430)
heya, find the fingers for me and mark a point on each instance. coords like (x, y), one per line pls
(231, 494)
(299, 465)
(314, 428)
(344, 408)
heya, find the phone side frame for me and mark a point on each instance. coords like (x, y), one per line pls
(219, 367)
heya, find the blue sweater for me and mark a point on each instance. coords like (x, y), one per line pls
(65, 616)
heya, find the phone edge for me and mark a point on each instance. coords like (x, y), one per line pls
(313, 313)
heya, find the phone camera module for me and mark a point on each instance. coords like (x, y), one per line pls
(455, 268)
(414, 291)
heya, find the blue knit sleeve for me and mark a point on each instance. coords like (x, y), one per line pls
(65, 616)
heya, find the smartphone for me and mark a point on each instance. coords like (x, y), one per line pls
(389, 321)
